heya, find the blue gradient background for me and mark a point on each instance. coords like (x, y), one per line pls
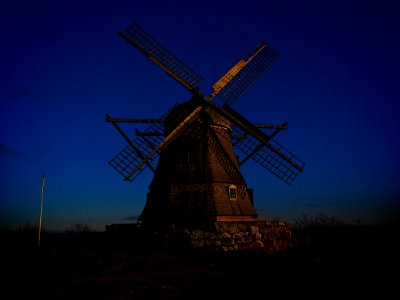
(63, 67)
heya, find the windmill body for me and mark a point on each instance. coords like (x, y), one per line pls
(193, 148)
(192, 182)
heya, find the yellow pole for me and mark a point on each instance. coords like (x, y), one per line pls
(41, 208)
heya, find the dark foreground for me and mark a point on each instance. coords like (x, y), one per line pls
(356, 262)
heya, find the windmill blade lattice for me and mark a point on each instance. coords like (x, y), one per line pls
(141, 40)
(280, 161)
(261, 148)
(251, 72)
(128, 158)
(132, 160)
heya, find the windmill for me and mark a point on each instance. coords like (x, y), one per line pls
(193, 148)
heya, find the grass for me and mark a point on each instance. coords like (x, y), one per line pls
(323, 262)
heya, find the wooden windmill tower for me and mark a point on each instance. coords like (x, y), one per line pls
(192, 149)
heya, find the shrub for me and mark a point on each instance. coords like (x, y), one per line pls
(80, 227)
(317, 222)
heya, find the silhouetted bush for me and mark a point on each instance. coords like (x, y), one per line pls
(79, 227)
(319, 221)
(28, 227)
(321, 235)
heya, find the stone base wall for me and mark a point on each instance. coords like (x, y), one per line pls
(271, 236)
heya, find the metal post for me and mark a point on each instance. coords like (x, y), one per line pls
(41, 208)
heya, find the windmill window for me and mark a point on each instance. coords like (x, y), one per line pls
(232, 192)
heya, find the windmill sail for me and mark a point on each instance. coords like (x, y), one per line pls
(143, 150)
(141, 40)
(261, 148)
(275, 158)
(244, 74)
(132, 155)
(168, 139)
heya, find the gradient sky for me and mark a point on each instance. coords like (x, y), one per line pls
(63, 67)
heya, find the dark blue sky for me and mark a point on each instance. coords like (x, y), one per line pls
(63, 67)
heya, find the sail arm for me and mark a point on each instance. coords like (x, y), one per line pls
(259, 135)
(232, 85)
(169, 138)
(174, 67)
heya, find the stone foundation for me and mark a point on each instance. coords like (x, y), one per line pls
(222, 236)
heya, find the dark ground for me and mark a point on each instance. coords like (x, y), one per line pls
(355, 261)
